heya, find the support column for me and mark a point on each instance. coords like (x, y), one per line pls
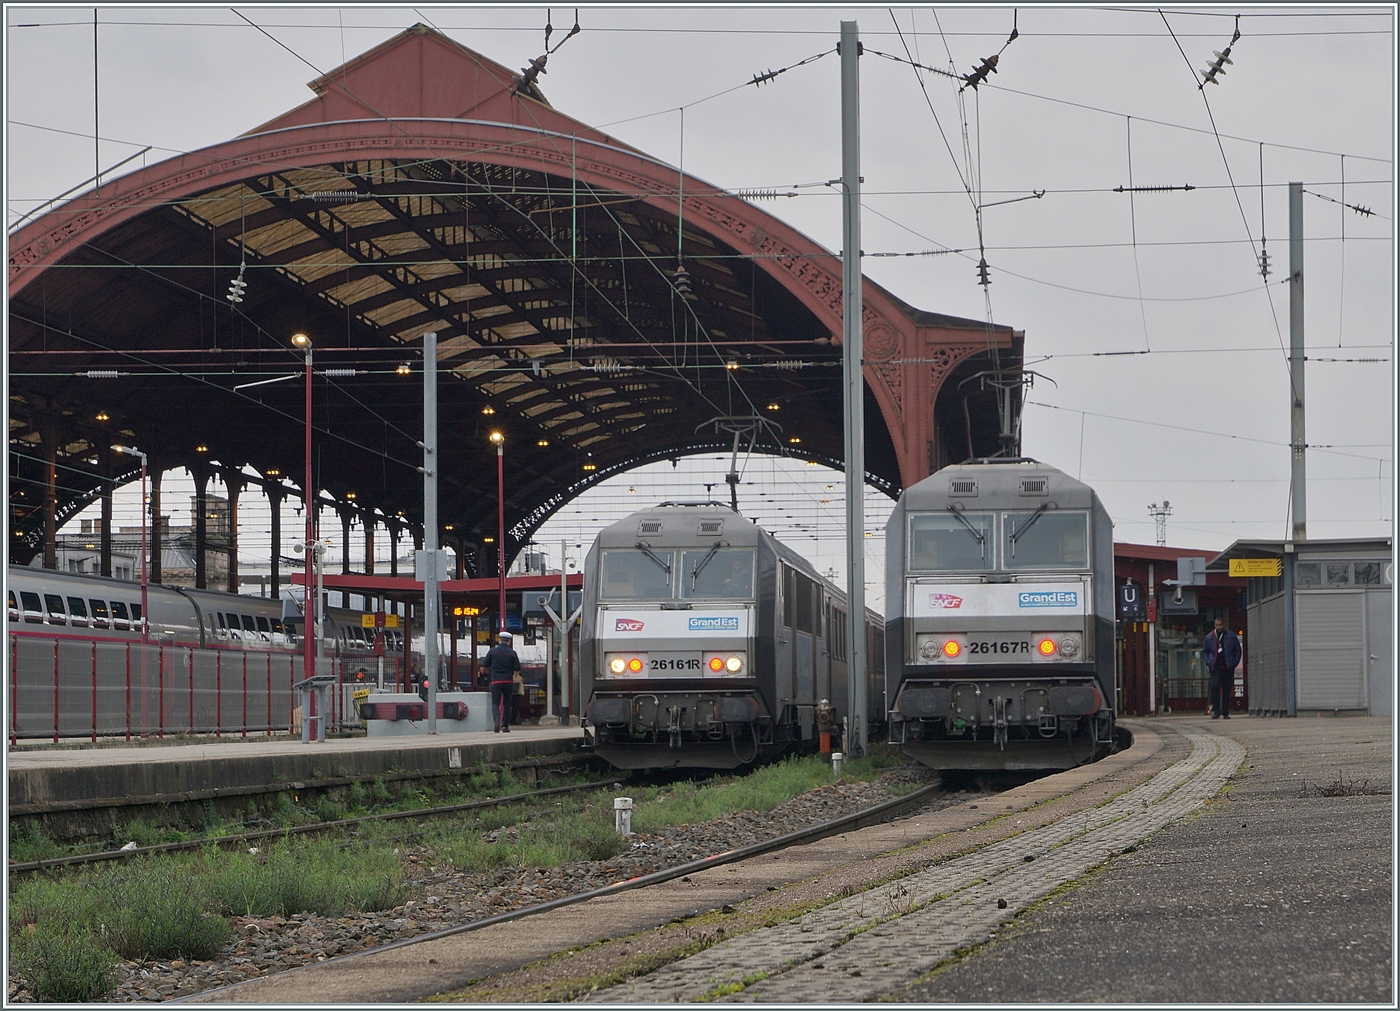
(201, 525)
(274, 499)
(155, 519)
(394, 530)
(368, 520)
(346, 516)
(233, 481)
(105, 463)
(49, 435)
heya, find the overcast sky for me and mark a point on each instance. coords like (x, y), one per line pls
(1201, 419)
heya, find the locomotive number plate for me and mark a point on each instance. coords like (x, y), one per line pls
(999, 646)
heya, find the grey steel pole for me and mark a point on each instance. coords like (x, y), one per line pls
(851, 361)
(1296, 356)
(431, 603)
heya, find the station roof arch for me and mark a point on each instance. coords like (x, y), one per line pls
(591, 302)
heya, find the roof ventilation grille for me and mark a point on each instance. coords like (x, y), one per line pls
(649, 527)
(710, 528)
(1035, 486)
(963, 487)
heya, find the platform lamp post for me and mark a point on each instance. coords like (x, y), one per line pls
(500, 440)
(145, 568)
(309, 639)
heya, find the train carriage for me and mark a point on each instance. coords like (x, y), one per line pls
(706, 643)
(999, 627)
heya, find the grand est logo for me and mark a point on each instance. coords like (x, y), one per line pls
(628, 625)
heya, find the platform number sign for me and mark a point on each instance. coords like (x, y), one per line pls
(1131, 606)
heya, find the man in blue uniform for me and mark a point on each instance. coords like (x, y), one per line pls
(501, 663)
(1221, 654)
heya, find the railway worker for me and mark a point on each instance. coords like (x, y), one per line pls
(502, 663)
(1221, 654)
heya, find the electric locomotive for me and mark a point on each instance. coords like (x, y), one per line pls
(999, 603)
(706, 643)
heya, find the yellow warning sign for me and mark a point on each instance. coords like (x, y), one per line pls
(1256, 567)
(361, 693)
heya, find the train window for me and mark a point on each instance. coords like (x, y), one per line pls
(77, 611)
(1045, 540)
(216, 619)
(99, 613)
(801, 602)
(718, 572)
(248, 626)
(264, 627)
(643, 574)
(277, 628)
(14, 606)
(119, 615)
(58, 615)
(951, 540)
(135, 612)
(33, 610)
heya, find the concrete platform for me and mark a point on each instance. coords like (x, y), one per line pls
(55, 778)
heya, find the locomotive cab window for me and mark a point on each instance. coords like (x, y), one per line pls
(725, 573)
(636, 574)
(1045, 539)
(955, 539)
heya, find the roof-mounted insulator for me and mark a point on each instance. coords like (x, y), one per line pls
(982, 277)
(1264, 263)
(681, 281)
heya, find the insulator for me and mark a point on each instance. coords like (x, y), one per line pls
(1264, 263)
(101, 373)
(339, 373)
(681, 280)
(787, 364)
(982, 276)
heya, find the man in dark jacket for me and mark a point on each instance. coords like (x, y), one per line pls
(501, 663)
(1221, 654)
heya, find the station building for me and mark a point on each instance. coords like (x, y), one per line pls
(1320, 624)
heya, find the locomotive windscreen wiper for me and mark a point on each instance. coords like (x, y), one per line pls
(700, 565)
(981, 537)
(1015, 534)
(645, 549)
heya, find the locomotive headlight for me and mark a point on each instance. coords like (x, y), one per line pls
(617, 665)
(929, 649)
(1068, 647)
(951, 648)
(1047, 647)
(734, 664)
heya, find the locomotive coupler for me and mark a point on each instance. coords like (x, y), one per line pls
(675, 726)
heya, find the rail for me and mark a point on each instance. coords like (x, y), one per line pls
(325, 826)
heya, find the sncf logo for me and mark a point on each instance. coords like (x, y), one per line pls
(944, 600)
(628, 625)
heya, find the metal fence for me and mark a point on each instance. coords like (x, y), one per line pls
(67, 686)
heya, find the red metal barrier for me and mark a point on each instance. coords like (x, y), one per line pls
(245, 695)
(94, 691)
(55, 691)
(219, 694)
(14, 691)
(160, 693)
(191, 727)
(128, 691)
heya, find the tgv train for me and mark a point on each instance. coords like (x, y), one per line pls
(705, 643)
(47, 601)
(999, 596)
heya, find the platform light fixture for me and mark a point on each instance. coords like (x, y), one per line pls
(103, 416)
(201, 448)
(590, 466)
(488, 410)
(404, 369)
(773, 407)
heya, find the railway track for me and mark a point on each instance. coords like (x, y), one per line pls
(326, 826)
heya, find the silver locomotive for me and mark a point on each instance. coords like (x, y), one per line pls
(999, 618)
(706, 643)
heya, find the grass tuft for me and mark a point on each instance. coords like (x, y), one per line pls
(64, 965)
